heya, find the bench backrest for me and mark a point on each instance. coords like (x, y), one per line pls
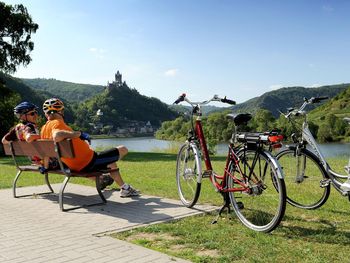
(40, 148)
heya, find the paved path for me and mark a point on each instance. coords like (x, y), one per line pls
(33, 229)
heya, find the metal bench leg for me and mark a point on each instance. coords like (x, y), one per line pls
(61, 195)
(48, 182)
(15, 183)
(14, 186)
(98, 188)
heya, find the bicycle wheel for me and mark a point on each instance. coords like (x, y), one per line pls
(261, 206)
(303, 174)
(188, 174)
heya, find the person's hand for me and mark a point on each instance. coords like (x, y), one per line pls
(85, 137)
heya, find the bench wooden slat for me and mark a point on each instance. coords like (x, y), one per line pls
(47, 148)
(40, 148)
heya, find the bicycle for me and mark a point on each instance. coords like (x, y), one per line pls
(252, 181)
(308, 176)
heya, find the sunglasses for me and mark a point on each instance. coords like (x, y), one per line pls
(32, 113)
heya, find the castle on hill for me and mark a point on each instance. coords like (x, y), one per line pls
(118, 82)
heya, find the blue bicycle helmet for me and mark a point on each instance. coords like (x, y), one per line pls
(24, 107)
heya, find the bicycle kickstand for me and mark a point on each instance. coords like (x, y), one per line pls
(226, 205)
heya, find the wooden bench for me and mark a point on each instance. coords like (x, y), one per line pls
(48, 148)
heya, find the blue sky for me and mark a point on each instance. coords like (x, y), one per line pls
(163, 48)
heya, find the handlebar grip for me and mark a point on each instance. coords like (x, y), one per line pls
(231, 102)
(319, 99)
(181, 98)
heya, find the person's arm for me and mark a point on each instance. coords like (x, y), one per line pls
(32, 137)
(59, 135)
(30, 133)
(10, 136)
(4, 141)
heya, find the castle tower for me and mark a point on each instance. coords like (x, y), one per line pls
(118, 78)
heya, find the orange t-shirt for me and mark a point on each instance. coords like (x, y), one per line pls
(82, 152)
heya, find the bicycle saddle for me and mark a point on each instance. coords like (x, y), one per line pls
(240, 118)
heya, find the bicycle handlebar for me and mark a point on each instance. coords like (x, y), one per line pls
(315, 99)
(183, 97)
(180, 98)
(300, 111)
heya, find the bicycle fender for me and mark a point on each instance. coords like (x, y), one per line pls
(199, 160)
(273, 159)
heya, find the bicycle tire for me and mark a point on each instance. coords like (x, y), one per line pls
(188, 174)
(263, 208)
(304, 191)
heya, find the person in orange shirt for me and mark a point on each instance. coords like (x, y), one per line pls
(85, 158)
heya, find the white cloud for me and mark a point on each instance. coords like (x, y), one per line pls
(171, 72)
(316, 85)
(98, 52)
(275, 86)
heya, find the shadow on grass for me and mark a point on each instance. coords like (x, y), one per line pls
(320, 231)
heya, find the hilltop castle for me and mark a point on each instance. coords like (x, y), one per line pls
(117, 82)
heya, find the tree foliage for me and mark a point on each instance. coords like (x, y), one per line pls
(73, 92)
(325, 123)
(8, 99)
(16, 28)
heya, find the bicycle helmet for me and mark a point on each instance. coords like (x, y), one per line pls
(24, 107)
(53, 105)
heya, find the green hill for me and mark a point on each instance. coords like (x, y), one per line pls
(65, 90)
(23, 90)
(339, 106)
(123, 107)
(284, 98)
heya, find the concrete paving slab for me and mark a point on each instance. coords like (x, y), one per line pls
(33, 229)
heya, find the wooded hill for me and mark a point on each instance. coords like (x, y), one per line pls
(68, 91)
(120, 106)
(284, 98)
(326, 121)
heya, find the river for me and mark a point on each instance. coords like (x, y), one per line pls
(150, 144)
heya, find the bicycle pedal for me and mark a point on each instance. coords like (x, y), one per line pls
(325, 182)
(207, 173)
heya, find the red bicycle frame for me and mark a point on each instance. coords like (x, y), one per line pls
(231, 157)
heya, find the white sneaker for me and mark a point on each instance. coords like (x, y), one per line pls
(129, 192)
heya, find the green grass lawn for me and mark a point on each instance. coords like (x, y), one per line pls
(321, 235)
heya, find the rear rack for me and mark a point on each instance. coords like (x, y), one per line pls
(259, 137)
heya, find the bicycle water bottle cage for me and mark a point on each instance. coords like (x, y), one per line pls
(239, 119)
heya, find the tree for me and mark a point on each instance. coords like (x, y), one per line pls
(263, 121)
(16, 27)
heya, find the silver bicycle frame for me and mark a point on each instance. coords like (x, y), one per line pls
(309, 138)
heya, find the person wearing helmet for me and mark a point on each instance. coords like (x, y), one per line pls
(85, 158)
(26, 129)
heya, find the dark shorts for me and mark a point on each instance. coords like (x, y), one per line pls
(102, 159)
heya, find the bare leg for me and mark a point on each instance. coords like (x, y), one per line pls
(116, 175)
